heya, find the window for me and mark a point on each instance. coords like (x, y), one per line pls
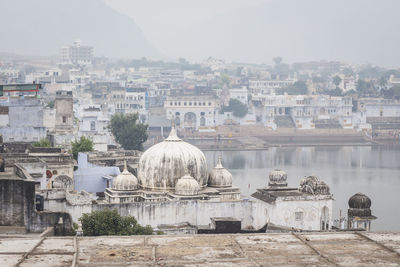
(64, 119)
(299, 215)
(93, 126)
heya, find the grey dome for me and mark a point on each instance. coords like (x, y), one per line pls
(219, 176)
(187, 186)
(359, 205)
(359, 201)
(125, 181)
(164, 163)
(277, 177)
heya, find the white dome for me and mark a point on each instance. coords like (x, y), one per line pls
(125, 181)
(219, 176)
(277, 177)
(187, 186)
(164, 163)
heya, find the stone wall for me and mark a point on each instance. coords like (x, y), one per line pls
(283, 213)
(17, 208)
(16, 202)
(196, 212)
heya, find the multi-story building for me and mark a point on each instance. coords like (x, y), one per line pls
(268, 87)
(76, 54)
(130, 100)
(192, 112)
(93, 123)
(303, 111)
(21, 113)
(240, 94)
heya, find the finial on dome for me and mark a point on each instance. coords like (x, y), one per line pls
(219, 163)
(173, 122)
(172, 134)
(125, 166)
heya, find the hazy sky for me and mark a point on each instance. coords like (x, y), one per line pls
(358, 31)
(164, 22)
(254, 31)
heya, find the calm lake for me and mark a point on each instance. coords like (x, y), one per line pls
(374, 171)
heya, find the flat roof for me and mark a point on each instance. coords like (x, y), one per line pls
(271, 249)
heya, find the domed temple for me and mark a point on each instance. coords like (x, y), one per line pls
(173, 170)
(172, 185)
(359, 213)
(308, 207)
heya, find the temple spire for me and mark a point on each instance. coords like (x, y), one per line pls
(125, 167)
(219, 163)
(172, 134)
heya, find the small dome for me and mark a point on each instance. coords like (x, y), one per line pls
(277, 177)
(359, 201)
(313, 185)
(219, 176)
(163, 164)
(187, 186)
(125, 181)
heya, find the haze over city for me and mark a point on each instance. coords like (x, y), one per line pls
(189, 133)
(359, 31)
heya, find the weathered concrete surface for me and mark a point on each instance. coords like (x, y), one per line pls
(17, 206)
(300, 249)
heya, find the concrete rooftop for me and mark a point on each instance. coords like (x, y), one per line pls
(300, 249)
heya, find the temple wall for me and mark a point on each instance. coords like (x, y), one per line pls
(196, 212)
(284, 213)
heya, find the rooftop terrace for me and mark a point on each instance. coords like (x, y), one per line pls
(271, 249)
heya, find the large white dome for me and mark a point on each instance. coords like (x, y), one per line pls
(163, 164)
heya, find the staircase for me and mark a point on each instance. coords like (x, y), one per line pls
(284, 122)
(327, 124)
(384, 123)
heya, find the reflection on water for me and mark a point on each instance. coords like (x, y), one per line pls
(374, 171)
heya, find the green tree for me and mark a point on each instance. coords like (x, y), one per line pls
(50, 104)
(225, 79)
(392, 92)
(81, 145)
(128, 131)
(44, 142)
(298, 88)
(109, 222)
(337, 80)
(365, 88)
(277, 60)
(382, 82)
(237, 108)
(334, 92)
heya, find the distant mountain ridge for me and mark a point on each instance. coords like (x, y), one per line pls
(41, 27)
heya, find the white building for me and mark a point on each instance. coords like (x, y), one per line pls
(268, 86)
(76, 54)
(308, 207)
(240, 94)
(93, 123)
(173, 179)
(303, 111)
(192, 112)
(130, 100)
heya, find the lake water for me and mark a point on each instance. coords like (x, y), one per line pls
(374, 171)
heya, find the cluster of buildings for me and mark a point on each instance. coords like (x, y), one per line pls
(170, 177)
(195, 96)
(79, 96)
